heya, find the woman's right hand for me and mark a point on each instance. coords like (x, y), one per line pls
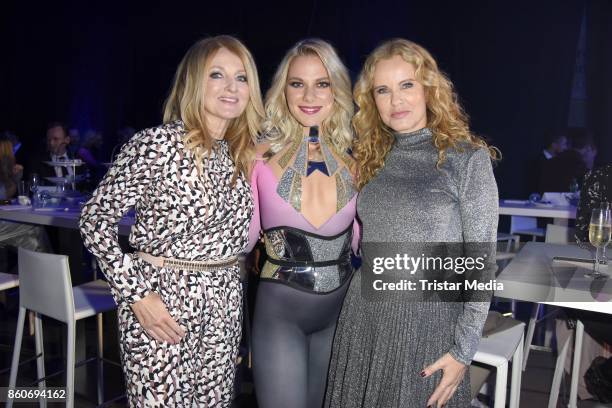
(154, 317)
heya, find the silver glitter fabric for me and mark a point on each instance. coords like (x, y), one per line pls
(284, 184)
(345, 189)
(290, 188)
(275, 244)
(299, 250)
(290, 183)
(326, 278)
(284, 160)
(301, 159)
(381, 346)
(295, 197)
(330, 161)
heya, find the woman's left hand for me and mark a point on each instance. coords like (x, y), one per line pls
(452, 375)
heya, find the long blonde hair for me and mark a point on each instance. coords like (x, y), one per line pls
(186, 102)
(445, 116)
(281, 128)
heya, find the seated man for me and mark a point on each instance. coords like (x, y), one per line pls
(567, 168)
(57, 151)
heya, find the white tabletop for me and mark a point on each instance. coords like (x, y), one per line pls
(532, 276)
(524, 208)
(56, 218)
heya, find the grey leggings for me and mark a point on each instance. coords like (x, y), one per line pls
(293, 332)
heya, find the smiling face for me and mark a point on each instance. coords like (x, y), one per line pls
(308, 91)
(226, 91)
(399, 97)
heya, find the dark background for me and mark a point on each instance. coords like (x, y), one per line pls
(109, 65)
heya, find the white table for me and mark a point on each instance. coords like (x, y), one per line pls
(55, 218)
(526, 209)
(532, 276)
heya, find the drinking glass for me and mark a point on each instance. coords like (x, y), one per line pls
(599, 236)
(60, 187)
(604, 259)
(34, 181)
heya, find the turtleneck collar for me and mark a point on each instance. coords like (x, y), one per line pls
(413, 138)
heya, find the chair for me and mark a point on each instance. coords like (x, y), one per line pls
(512, 246)
(46, 289)
(526, 226)
(555, 234)
(503, 257)
(496, 350)
(559, 234)
(510, 240)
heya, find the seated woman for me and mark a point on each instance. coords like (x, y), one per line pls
(16, 234)
(596, 191)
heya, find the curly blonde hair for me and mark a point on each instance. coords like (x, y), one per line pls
(281, 128)
(445, 116)
(186, 102)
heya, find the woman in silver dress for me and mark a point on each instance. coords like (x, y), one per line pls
(423, 178)
(179, 296)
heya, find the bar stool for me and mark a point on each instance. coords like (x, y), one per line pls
(555, 234)
(512, 241)
(526, 226)
(46, 289)
(497, 349)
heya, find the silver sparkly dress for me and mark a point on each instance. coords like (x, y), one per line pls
(381, 347)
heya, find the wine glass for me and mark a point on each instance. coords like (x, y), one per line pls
(34, 181)
(604, 259)
(599, 236)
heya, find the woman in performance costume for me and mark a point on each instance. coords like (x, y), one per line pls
(305, 205)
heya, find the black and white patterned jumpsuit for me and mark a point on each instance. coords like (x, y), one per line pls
(181, 215)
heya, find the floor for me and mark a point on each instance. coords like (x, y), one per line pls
(534, 394)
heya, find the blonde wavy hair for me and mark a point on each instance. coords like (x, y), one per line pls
(281, 128)
(186, 102)
(445, 116)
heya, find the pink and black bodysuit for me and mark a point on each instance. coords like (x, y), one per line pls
(304, 279)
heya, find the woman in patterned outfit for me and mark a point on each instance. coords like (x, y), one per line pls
(305, 205)
(179, 296)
